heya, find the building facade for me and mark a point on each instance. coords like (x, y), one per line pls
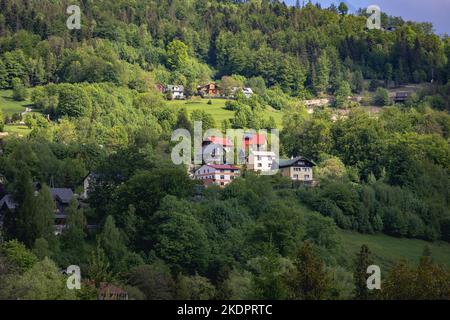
(297, 169)
(261, 161)
(219, 175)
(177, 91)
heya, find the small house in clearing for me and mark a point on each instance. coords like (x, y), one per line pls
(219, 175)
(297, 169)
(177, 91)
(61, 196)
(401, 96)
(248, 92)
(209, 90)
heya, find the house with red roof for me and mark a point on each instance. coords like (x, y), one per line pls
(215, 149)
(254, 141)
(217, 174)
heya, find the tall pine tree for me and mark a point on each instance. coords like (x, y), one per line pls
(363, 261)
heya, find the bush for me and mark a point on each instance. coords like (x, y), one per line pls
(374, 84)
(381, 97)
(209, 102)
(169, 96)
(19, 90)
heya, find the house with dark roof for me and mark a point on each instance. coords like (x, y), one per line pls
(7, 204)
(217, 174)
(62, 198)
(297, 169)
(401, 96)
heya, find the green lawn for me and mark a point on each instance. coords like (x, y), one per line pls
(386, 250)
(9, 106)
(218, 111)
(20, 130)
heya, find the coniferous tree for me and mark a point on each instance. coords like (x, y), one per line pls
(309, 280)
(44, 216)
(322, 77)
(343, 8)
(20, 223)
(73, 237)
(99, 267)
(360, 275)
(112, 244)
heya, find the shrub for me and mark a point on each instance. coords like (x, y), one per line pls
(19, 90)
(381, 97)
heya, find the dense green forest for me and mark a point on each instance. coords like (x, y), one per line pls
(159, 234)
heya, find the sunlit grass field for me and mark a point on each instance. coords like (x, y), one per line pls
(9, 106)
(218, 111)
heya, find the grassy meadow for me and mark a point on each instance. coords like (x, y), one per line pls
(386, 250)
(218, 111)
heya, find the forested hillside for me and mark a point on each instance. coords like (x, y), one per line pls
(88, 101)
(286, 46)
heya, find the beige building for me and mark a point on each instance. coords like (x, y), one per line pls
(297, 169)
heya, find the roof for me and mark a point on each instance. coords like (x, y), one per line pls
(291, 162)
(111, 290)
(175, 88)
(222, 166)
(9, 201)
(254, 139)
(221, 141)
(248, 90)
(64, 195)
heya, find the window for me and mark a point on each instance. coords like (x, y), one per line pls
(259, 158)
(222, 177)
(306, 176)
(296, 176)
(259, 165)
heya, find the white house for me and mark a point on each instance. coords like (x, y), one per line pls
(217, 174)
(261, 160)
(177, 91)
(248, 92)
